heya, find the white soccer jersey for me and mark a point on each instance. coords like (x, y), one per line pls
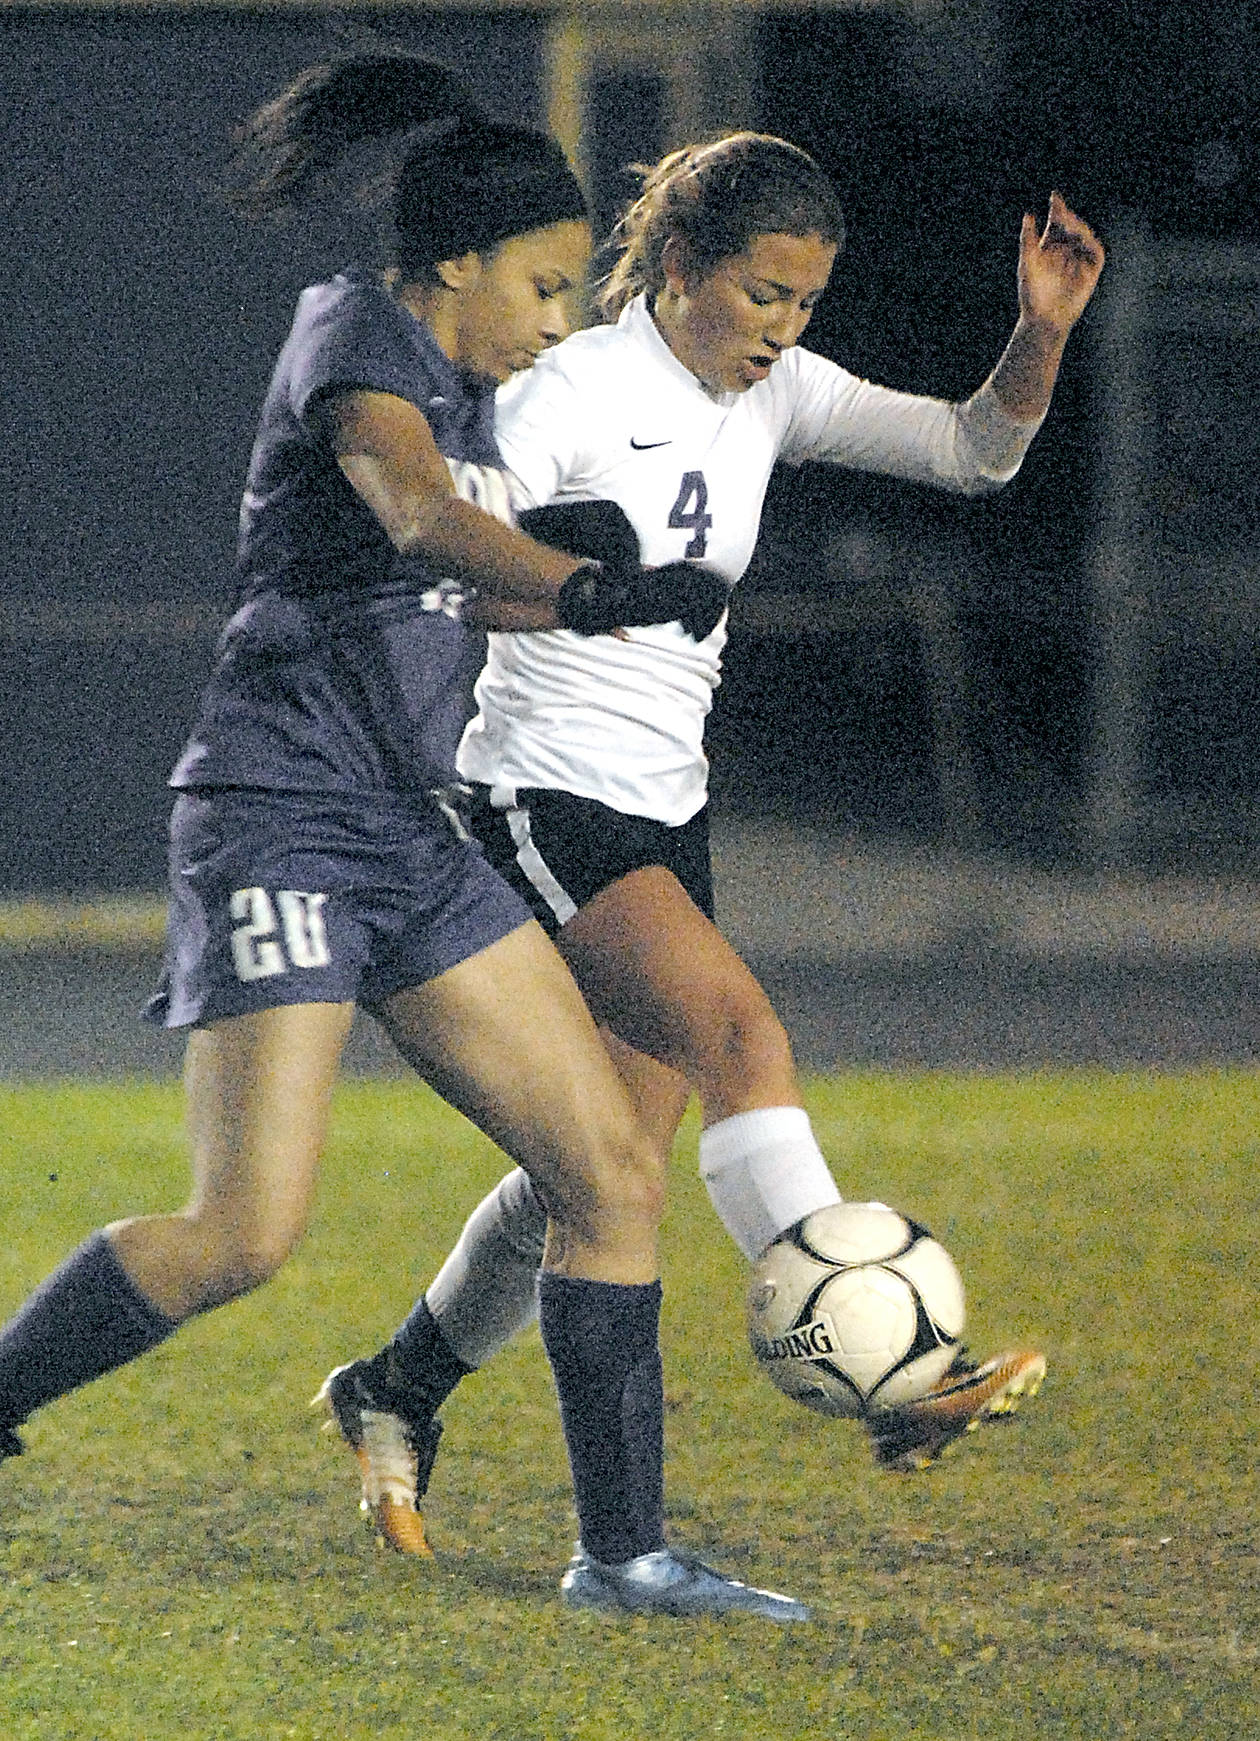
(611, 414)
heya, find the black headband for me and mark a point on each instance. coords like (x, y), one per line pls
(477, 185)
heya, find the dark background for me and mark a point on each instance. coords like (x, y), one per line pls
(141, 319)
(1144, 117)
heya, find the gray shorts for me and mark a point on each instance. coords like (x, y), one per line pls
(290, 898)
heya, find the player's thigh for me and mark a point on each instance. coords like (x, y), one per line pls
(258, 1089)
(506, 1038)
(662, 976)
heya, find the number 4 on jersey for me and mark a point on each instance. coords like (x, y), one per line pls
(688, 512)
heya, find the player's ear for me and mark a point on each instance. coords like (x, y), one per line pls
(676, 265)
(461, 273)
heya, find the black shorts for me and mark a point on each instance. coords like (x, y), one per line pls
(558, 851)
(284, 898)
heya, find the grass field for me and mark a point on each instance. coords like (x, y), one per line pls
(182, 1555)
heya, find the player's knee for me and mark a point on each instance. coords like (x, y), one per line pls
(624, 1191)
(652, 1187)
(635, 1188)
(237, 1261)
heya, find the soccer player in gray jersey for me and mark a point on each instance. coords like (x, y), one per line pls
(317, 863)
(588, 754)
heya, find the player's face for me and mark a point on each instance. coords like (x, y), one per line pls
(730, 325)
(520, 298)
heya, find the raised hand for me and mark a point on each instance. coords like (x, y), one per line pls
(1059, 266)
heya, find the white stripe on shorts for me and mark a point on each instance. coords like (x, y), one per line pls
(534, 866)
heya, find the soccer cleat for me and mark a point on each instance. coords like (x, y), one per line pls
(912, 1435)
(668, 1583)
(395, 1449)
(10, 1444)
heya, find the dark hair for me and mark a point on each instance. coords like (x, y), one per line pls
(715, 198)
(463, 183)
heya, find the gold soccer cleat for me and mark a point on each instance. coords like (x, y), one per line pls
(395, 1451)
(912, 1435)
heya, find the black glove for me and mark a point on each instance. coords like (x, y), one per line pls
(599, 530)
(594, 600)
(614, 592)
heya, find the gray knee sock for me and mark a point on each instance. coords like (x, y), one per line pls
(486, 1291)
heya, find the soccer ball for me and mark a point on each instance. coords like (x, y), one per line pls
(855, 1308)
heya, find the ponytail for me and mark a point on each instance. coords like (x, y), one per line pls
(288, 145)
(464, 182)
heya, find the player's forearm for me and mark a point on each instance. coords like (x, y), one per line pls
(504, 565)
(456, 538)
(509, 616)
(1024, 378)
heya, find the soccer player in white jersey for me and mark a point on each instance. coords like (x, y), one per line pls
(587, 754)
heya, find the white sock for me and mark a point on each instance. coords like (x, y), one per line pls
(486, 1290)
(763, 1171)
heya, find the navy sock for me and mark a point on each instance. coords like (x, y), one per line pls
(419, 1359)
(602, 1341)
(85, 1319)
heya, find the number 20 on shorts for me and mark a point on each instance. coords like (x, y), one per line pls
(263, 945)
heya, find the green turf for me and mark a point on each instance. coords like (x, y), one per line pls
(181, 1553)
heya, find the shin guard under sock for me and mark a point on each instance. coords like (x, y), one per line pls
(85, 1319)
(486, 1291)
(602, 1342)
(764, 1171)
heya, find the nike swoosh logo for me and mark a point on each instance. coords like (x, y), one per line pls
(643, 446)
